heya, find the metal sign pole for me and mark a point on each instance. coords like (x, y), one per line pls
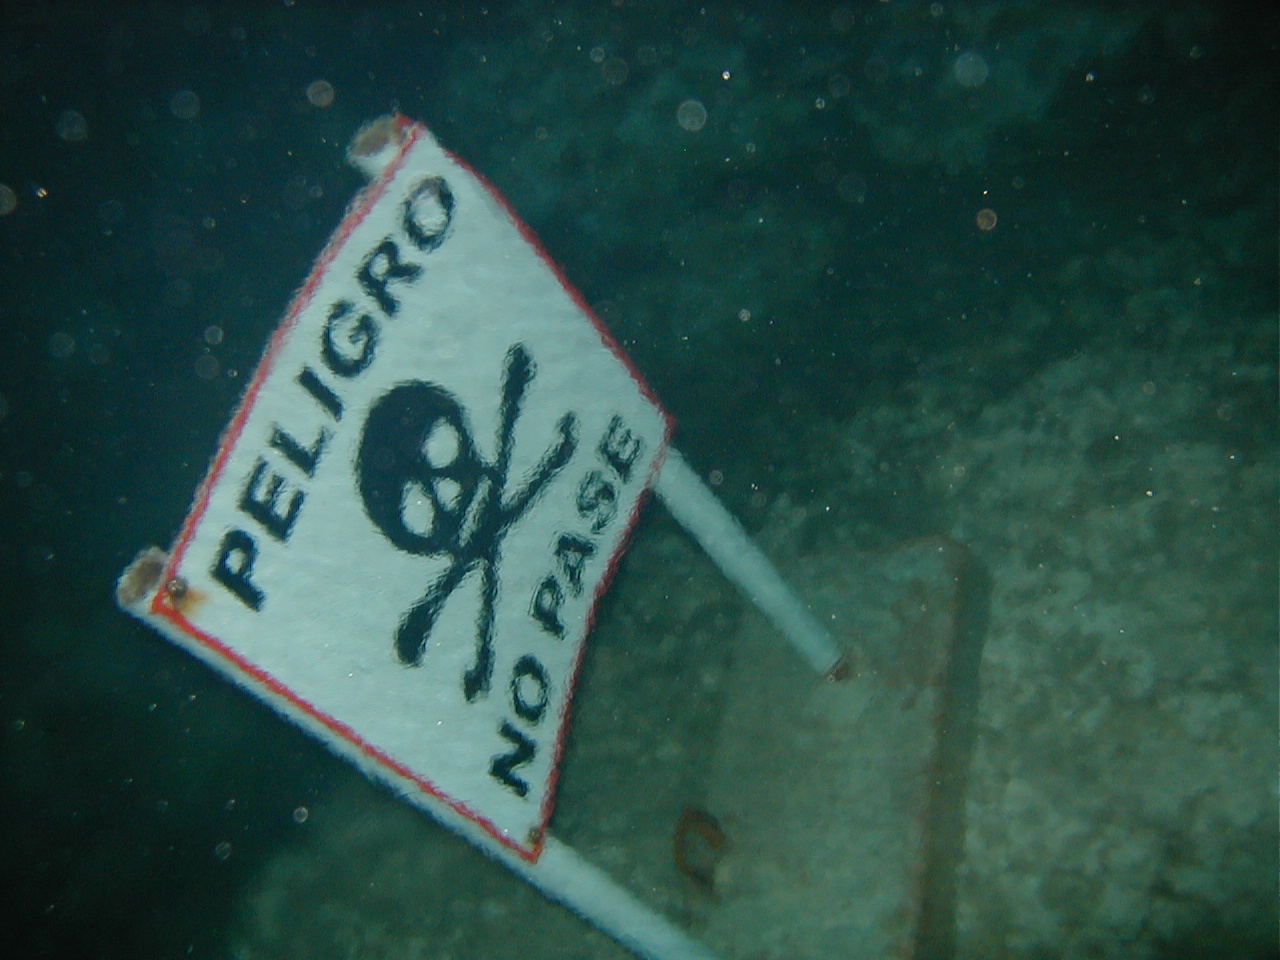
(565, 876)
(705, 518)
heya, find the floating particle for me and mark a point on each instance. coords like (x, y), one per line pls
(176, 292)
(970, 69)
(39, 558)
(62, 345)
(876, 68)
(8, 200)
(212, 335)
(185, 105)
(72, 126)
(986, 219)
(110, 212)
(207, 259)
(614, 70)
(692, 115)
(197, 21)
(12, 68)
(320, 93)
(222, 851)
(852, 188)
(207, 366)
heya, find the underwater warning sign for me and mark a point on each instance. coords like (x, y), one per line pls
(409, 520)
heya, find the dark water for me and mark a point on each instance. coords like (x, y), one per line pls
(819, 245)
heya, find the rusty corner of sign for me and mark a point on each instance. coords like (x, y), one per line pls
(141, 579)
(376, 143)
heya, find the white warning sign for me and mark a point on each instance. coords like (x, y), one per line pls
(410, 519)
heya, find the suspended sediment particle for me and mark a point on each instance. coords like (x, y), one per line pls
(320, 93)
(692, 115)
(970, 69)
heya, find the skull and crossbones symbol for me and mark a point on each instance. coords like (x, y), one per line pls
(427, 488)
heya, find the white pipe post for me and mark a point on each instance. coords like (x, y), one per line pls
(701, 513)
(565, 876)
